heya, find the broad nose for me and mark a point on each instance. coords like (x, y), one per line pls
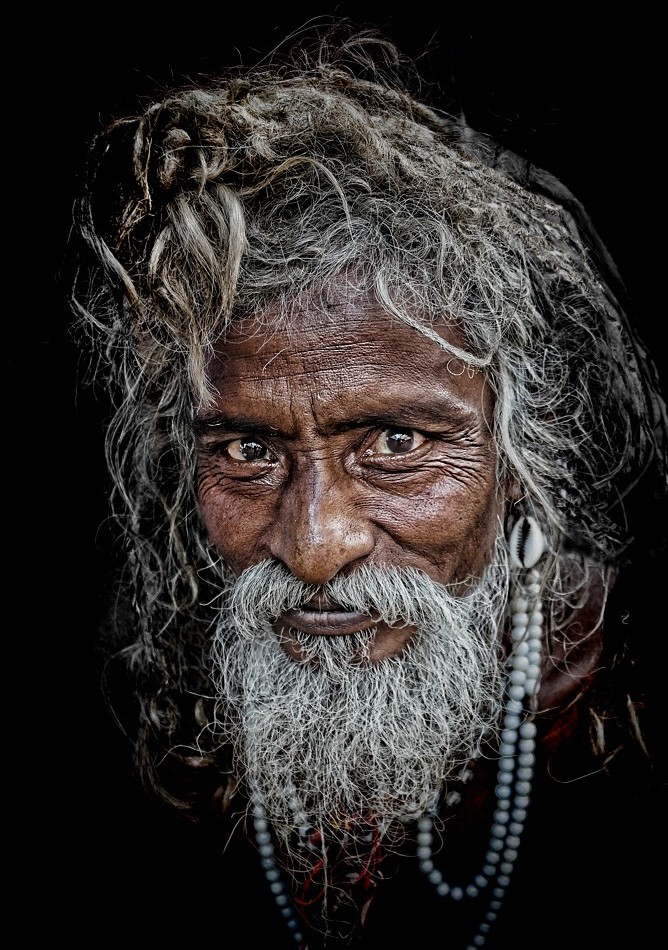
(319, 529)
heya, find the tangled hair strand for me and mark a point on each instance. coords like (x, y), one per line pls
(262, 187)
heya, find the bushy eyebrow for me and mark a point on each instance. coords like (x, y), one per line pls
(219, 420)
(410, 414)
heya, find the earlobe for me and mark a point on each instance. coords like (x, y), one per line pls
(513, 491)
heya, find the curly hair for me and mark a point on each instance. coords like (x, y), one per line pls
(267, 183)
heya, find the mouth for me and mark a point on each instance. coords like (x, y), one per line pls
(322, 616)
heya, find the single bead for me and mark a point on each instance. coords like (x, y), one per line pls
(510, 736)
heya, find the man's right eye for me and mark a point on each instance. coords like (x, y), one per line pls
(246, 450)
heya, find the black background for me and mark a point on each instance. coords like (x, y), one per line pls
(577, 98)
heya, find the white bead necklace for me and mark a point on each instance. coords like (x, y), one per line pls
(515, 768)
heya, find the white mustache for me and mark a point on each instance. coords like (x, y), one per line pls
(399, 596)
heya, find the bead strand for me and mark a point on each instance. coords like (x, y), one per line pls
(512, 804)
(271, 870)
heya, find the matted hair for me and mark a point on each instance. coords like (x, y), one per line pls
(262, 184)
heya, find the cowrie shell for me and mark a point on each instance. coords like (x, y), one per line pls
(527, 543)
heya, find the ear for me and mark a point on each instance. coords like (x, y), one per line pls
(511, 495)
(513, 491)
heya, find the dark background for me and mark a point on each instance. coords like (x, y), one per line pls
(579, 99)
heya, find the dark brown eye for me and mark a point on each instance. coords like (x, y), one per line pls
(397, 441)
(246, 450)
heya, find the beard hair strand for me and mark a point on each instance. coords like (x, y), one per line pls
(334, 739)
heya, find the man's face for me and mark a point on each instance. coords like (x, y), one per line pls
(348, 438)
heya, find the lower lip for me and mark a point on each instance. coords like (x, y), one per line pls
(328, 623)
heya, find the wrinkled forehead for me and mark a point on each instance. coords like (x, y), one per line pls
(343, 338)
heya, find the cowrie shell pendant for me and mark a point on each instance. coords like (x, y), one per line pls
(527, 543)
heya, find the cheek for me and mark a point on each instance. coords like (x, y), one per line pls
(450, 530)
(235, 524)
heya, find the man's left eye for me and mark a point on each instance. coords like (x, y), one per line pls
(397, 441)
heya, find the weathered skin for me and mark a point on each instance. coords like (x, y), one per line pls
(317, 404)
(329, 491)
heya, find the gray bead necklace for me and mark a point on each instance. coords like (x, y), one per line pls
(515, 767)
(518, 742)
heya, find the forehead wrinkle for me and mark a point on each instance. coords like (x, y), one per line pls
(337, 398)
(305, 351)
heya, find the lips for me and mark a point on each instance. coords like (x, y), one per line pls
(322, 616)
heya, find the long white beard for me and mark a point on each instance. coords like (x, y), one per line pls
(334, 739)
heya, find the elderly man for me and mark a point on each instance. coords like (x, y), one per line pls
(380, 427)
